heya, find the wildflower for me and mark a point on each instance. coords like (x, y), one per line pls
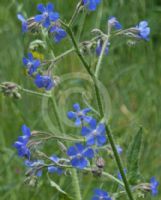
(143, 30)
(54, 169)
(58, 33)
(47, 16)
(24, 23)
(119, 175)
(119, 149)
(154, 184)
(91, 4)
(44, 82)
(79, 115)
(99, 48)
(21, 143)
(35, 167)
(79, 155)
(100, 195)
(113, 22)
(31, 63)
(95, 134)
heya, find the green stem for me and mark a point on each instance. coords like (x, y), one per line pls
(109, 134)
(50, 135)
(98, 66)
(76, 11)
(34, 93)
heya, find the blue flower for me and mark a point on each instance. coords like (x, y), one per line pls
(154, 184)
(100, 195)
(91, 4)
(95, 134)
(31, 63)
(79, 115)
(47, 16)
(119, 149)
(44, 82)
(24, 23)
(119, 175)
(35, 165)
(113, 22)
(99, 48)
(58, 33)
(144, 30)
(21, 143)
(79, 155)
(54, 169)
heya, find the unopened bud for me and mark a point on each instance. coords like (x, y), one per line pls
(100, 162)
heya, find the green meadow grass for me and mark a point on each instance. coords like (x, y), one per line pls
(131, 75)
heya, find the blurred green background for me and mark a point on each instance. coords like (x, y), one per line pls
(131, 74)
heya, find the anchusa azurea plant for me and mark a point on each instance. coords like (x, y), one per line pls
(86, 152)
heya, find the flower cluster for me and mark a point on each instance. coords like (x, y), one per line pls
(94, 134)
(48, 18)
(21, 143)
(41, 81)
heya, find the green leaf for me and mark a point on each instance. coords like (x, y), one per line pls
(64, 195)
(133, 157)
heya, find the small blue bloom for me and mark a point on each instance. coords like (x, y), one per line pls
(119, 175)
(58, 33)
(54, 169)
(154, 185)
(95, 134)
(44, 82)
(79, 115)
(113, 22)
(21, 143)
(24, 23)
(47, 16)
(100, 195)
(35, 165)
(91, 4)
(119, 149)
(79, 155)
(144, 30)
(99, 48)
(31, 63)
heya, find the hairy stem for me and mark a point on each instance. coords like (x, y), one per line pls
(109, 134)
(99, 66)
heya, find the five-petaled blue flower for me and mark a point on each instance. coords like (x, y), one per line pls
(24, 23)
(99, 48)
(79, 115)
(154, 185)
(144, 30)
(100, 195)
(113, 22)
(58, 33)
(31, 63)
(55, 169)
(43, 81)
(21, 143)
(47, 16)
(79, 154)
(95, 134)
(35, 166)
(91, 4)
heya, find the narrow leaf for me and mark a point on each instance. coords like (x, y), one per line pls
(133, 157)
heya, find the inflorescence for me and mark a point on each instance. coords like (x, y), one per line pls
(80, 155)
